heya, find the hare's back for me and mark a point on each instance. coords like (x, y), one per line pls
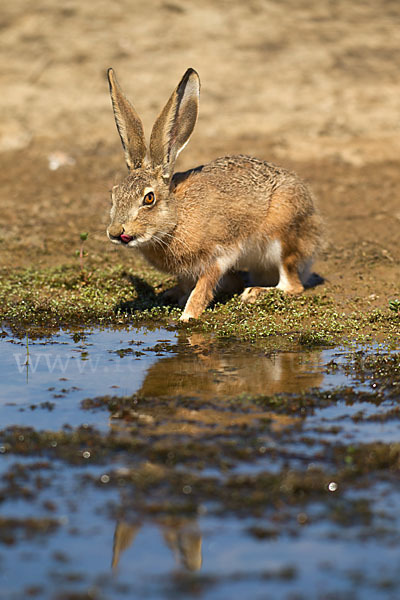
(234, 179)
(238, 197)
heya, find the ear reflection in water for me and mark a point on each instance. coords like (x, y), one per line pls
(182, 536)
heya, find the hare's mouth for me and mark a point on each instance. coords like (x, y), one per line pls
(125, 239)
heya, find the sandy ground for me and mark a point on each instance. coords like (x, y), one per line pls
(312, 85)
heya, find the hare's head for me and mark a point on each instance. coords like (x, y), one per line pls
(142, 207)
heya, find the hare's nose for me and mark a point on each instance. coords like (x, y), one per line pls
(115, 231)
(125, 238)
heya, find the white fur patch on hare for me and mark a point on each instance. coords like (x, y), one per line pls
(258, 256)
(228, 259)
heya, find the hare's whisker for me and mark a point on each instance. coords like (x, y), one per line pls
(159, 241)
(174, 237)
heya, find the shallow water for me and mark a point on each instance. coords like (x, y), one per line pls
(143, 520)
(69, 366)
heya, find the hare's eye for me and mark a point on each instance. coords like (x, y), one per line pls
(149, 199)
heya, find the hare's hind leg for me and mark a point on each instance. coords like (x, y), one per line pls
(289, 281)
(289, 277)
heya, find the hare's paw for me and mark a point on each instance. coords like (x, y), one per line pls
(186, 317)
(251, 294)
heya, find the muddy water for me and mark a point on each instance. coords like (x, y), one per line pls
(152, 464)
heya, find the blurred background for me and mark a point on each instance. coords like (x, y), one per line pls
(308, 77)
(311, 84)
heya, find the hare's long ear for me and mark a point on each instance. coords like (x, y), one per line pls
(174, 126)
(129, 125)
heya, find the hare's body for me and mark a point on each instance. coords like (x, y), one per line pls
(235, 213)
(233, 224)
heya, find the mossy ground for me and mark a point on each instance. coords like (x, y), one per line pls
(69, 295)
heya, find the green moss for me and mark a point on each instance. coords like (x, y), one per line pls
(115, 295)
(66, 295)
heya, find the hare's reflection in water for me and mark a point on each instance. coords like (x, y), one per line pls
(202, 366)
(205, 369)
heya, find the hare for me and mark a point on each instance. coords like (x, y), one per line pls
(233, 214)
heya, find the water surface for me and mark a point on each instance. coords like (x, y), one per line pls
(181, 416)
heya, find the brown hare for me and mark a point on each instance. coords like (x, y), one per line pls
(233, 214)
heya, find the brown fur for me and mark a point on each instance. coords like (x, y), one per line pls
(236, 212)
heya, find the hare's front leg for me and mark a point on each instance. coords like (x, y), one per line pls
(202, 294)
